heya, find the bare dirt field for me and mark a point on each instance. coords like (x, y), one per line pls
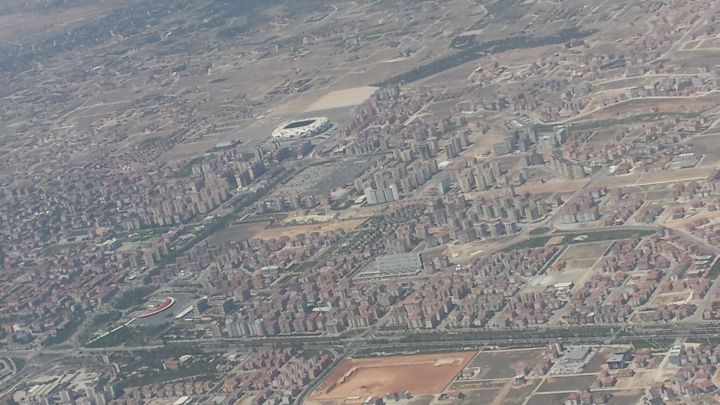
(709, 146)
(689, 46)
(237, 233)
(501, 363)
(675, 297)
(21, 24)
(598, 361)
(558, 186)
(479, 397)
(586, 251)
(655, 105)
(567, 383)
(684, 224)
(625, 397)
(293, 231)
(625, 83)
(470, 251)
(342, 98)
(421, 375)
(662, 177)
(482, 143)
(575, 264)
(584, 255)
(550, 399)
(710, 43)
(517, 395)
(642, 378)
(634, 179)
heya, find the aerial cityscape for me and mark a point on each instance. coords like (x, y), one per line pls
(404, 202)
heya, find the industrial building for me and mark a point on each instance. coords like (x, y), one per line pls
(398, 264)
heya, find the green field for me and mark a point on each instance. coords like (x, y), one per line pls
(539, 231)
(596, 236)
(134, 297)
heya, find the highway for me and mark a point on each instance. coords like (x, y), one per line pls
(366, 344)
(416, 341)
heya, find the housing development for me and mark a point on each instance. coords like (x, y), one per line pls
(360, 202)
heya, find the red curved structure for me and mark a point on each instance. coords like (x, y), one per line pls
(167, 303)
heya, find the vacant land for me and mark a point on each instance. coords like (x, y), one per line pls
(625, 397)
(656, 105)
(709, 146)
(420, 374)
(580, 238)
(342, 98)
(583, 256)
(502, 363)
(566, 383)
(659, 177)
(598, 361)
(588, 251)
(550, 399)
(575, 263)
(293, 231)
(479, 397)
(240, 232)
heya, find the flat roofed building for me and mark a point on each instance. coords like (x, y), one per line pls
(577, 354)
(399, 263)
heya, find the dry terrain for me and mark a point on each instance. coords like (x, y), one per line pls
(502, 363)
(293, 231)
(420, 374)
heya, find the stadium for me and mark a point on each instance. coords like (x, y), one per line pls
(304, 128)
(162, 306)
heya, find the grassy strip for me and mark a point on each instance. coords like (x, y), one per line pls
(539, 231)
(596, 236)
(476, 51)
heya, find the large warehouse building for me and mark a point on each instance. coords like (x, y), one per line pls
(399, 264)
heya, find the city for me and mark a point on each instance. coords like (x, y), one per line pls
(370, 202)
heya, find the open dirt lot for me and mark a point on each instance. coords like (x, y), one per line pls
(709, 146)
(342, 98)
(21, 24)
(237, 233)
(642, 378)
(587, 251)
(517, 395)
(420, 374)
(550, 399)
(634, 179)
(598, 361)
(655, 105)
(625, 397)
(479, 397)
(556, 186)
(676, 297)
(684, 224)
(566, 383)
(583, 256)
(501, 363)
(292, 231)
(661, 177)
(710, 43)
(575, 264)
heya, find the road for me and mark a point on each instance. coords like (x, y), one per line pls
(403, 340)
(367, 343)
(314, 384)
